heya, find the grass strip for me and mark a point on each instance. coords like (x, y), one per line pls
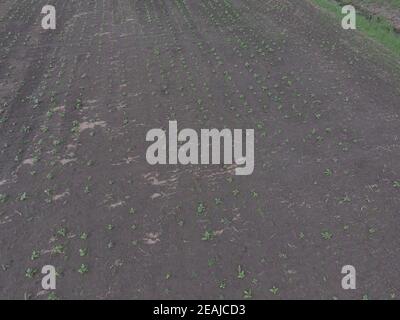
(376, 28)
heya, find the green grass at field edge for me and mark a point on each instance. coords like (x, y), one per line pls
(378, 29)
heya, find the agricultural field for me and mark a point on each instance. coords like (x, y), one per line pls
(77, 193)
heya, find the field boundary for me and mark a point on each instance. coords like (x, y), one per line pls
(375, 27)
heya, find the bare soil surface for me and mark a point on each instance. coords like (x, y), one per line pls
(77, 192)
